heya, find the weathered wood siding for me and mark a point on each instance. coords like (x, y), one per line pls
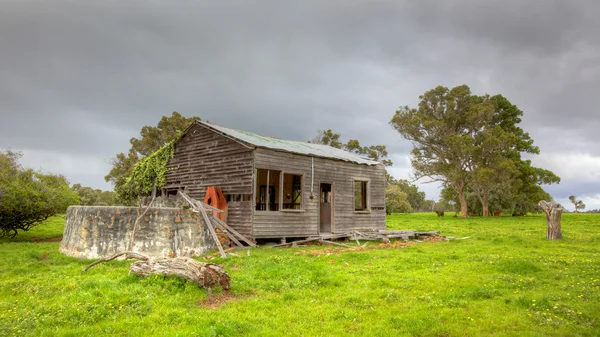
(206, 158)
(342, 175)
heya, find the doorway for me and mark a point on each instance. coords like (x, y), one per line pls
(326, 214)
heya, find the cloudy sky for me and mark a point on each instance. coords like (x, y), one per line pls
(79, 78)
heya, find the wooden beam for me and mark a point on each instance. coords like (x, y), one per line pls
(233, 231)
(211, 229)
(297, 242)
(199, 207)
(336, 243)
(193, 201)
(233, 238)
(210, 208)
(229, 234)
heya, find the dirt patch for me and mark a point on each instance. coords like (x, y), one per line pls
(214, 301)
(43, 257)
(45, 239)
(397, 244)
(436, 239)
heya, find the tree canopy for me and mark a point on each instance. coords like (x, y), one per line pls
(152, 138)
(374, 152)
(396, 201)
(414, 197)
(28, 197)
(579, 205)
(328, 137)
(472, 144)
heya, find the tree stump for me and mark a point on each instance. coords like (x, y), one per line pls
(205, 275)
(553, 212)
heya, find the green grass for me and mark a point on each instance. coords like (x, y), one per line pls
(505, 279)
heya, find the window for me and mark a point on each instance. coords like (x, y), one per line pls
(278, 191)
(360, 195)
(267, 190)
(292, 191)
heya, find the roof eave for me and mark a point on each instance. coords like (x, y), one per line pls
(254, 146)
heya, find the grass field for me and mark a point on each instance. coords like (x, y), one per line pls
(505, 279)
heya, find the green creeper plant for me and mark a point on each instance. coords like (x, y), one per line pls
(144, 174)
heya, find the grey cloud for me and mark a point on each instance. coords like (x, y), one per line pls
(579, 189)
(515, 26)
(83, 77)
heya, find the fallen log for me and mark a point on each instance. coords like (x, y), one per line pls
(205, 275)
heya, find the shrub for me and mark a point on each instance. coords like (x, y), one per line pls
(28, 197)
(396, 201)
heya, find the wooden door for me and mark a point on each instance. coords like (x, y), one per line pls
(326, 209)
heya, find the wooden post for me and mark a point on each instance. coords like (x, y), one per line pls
(553, 212)
(199, 206)
(211, 229)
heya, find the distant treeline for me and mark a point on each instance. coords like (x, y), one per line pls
(94, 197)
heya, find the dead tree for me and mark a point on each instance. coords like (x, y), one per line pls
(205, 275)
(553, 212)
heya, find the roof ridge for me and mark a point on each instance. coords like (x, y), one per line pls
(292, 146)
(273, 137)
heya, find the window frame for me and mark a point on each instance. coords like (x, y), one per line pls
(279, 198)
(367, 194)
(292, 210)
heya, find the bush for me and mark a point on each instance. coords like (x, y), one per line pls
(396, 201)
(28, 197)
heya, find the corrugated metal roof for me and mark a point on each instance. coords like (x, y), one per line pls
(309, 149)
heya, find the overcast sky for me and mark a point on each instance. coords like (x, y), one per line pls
(78, 79)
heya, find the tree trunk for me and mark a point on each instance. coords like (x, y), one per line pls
(485, 202)
(463, 201)
(553, 212)
(205, 275)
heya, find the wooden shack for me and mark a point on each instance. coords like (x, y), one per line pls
(279, 188)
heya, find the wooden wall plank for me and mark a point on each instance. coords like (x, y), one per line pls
(205, 158)
(341, 175)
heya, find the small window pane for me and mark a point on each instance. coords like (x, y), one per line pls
(292, 191)
(267, 190)
(360, 195)
(261, 190)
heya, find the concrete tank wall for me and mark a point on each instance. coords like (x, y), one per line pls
(93, 232)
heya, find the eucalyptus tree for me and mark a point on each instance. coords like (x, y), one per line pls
(374, 152)
(444, 130)
(472, 144)
(328, 137)
(498, 153)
